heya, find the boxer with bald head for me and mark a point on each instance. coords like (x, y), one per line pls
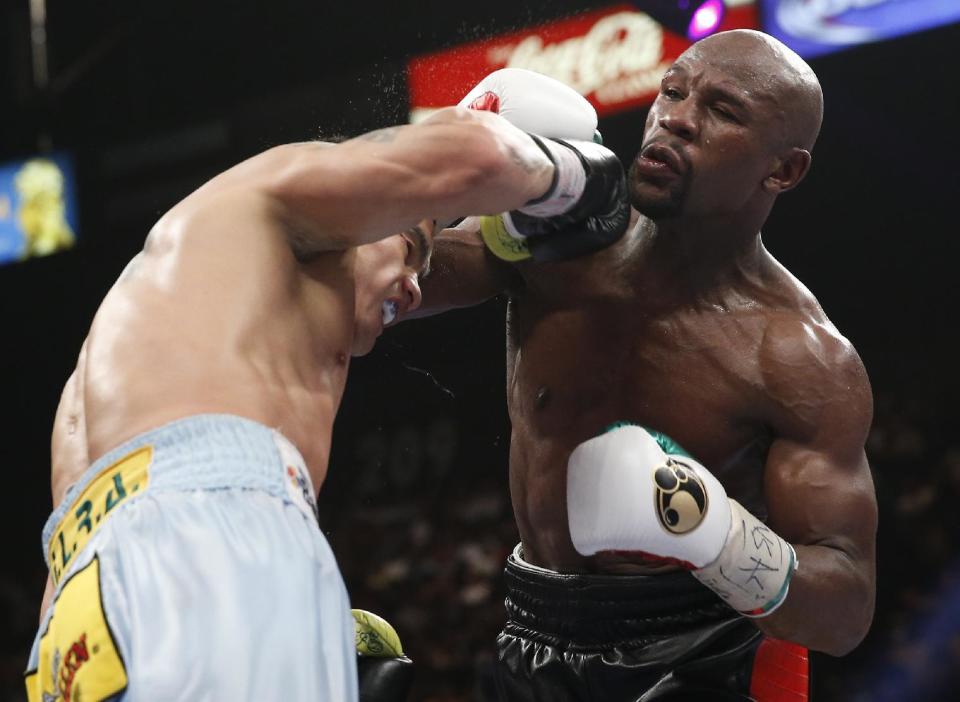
(185, 557)
(687, 463)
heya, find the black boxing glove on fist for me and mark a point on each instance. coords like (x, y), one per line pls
(385, 674)
(584, 210)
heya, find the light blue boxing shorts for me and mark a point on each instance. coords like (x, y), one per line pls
(189, 565)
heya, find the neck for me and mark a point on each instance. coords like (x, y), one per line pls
(690, 261)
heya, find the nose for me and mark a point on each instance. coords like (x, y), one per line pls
(411, 288)
(679, 119)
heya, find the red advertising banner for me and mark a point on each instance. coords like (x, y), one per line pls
(615, 57)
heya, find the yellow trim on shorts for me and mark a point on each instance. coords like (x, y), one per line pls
(78, 656)
(89, 510)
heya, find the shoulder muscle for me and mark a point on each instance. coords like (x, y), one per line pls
(816, 383)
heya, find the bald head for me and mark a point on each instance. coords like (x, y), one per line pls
(768, 68)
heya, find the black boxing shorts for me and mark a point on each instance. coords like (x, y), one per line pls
(635, 638)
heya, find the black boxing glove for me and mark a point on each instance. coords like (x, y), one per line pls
(384, 679)
(385, 674)
(584, 210)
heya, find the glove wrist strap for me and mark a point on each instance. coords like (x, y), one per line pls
(569, 180)
(754, 568)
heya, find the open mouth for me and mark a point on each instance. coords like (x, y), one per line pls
(389, 311)
(656, 156)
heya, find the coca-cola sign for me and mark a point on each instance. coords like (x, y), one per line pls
(616, 57)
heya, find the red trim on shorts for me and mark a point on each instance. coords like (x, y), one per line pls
(781, 672)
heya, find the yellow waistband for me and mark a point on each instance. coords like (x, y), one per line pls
(89, 510)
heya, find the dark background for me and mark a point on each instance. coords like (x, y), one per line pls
(154, 98)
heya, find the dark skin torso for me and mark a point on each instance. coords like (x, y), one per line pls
(587, 348)
(689, 326)
(729, 355)
(738, 364)
(657, 370)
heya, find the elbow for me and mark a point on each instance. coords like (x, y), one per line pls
(830, 611)
(844, 639)
(847, 638)
(844, 645)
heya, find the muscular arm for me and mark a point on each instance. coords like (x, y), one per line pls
(342, 195)
(463, 272)
(819, 490)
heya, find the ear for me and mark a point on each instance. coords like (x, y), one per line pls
(789, 171)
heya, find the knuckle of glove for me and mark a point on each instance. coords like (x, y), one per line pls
(600, 223)
(605, 176)
(604, 193)
(534, 102)
(598, 219)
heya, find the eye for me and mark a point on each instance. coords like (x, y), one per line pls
(671, 93)
(725, 114)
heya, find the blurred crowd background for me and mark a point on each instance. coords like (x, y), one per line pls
(149, 101)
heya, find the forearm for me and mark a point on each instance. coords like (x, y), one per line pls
(819, 595)
(830, 604)
(824, 503)
(458, 164)
(463, 273)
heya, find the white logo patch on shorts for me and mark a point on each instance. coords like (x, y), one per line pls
(299, 487)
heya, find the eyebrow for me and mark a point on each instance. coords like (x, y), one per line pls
(728, 90)
(723, 93)
(741, 95)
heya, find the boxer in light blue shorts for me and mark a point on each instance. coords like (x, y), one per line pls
(188, 563)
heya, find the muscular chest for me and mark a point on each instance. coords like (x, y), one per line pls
(576, 369)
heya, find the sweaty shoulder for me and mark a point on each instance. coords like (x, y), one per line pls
(812, 376)
(815, 382)
(253, 200)
(229, 222)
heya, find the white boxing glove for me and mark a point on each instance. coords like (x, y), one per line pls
(535, 103)
(625, 493)
(545, 107)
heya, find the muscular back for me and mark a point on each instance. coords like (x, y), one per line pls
(215, 315)
(245, 299)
